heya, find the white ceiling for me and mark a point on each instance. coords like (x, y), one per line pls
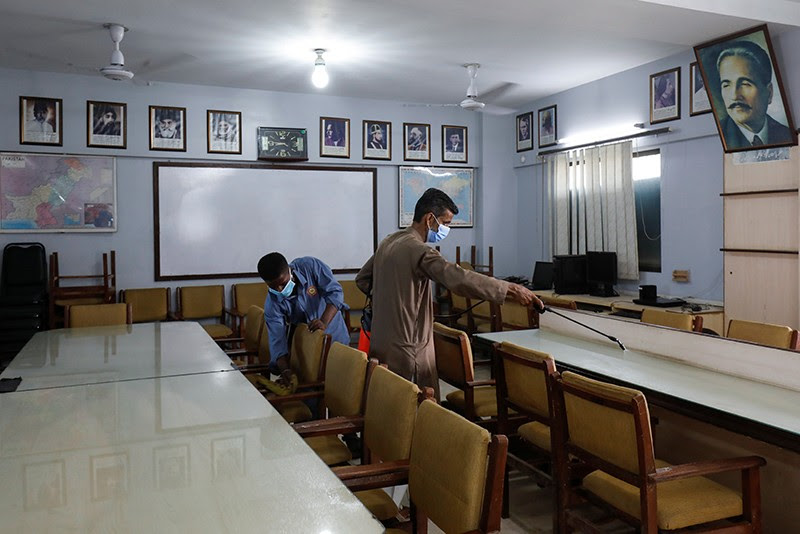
(405, 50)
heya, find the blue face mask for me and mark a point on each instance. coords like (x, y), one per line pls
(438, 235)
(287, 289)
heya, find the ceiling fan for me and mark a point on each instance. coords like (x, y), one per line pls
(116, 69)
(471, 102)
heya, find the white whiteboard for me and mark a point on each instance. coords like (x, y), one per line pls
(216, 221)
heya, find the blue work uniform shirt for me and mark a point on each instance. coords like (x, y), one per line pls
(315, 288)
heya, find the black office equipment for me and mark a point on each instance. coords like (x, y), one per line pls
(648, 296)
(542, 275)
(601, 273)
(569, 274)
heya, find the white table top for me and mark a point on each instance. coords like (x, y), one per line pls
(198, 453)
(76, 356)
(754, 401)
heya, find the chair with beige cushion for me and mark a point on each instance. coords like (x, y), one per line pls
(475, 399)
(356, 300)
(772, 335)
(249, 343)
(242, 297)
(680, 321)
(83, 315)
(606, 428)
(558, 302)
(455, 473)
(204, 302)
(148, 304)
(514, 316)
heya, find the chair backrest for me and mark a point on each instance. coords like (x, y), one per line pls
(353, 296)
(24, 269)
(345, 376)
(773, 335)
(524, 380)
(389, 415)
(308, 352)
(254, 328)
(558, 302)
(456, 471)
(201, 302)
(148, 304)
(84, 315)
(514, 316)
(263, 355)
(246, 295)
(453, 355)
(681, 321)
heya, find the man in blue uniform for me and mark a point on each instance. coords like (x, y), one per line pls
(303, 291)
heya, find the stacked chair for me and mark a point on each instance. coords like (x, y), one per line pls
(95, 288)
(23, 296)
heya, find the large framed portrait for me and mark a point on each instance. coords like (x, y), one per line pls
(224, 131)
(106, 124)
(167, 128)
(377, 137)
(524, 132)
(282, 144)
(699, 102)
(454, 143)
(746, 92)
(458, 183)
(548, 126)
(334, 139)
(665, 96)
(416, 141)
(40, 121)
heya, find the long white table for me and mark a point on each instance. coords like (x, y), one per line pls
(764, 411)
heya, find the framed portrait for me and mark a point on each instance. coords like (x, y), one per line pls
(167, 128)
(548, 132)
(458, 183)
(746, 91)
(171, 467)
(524, 132)
(40, 121)
(665, 96)
(416, 141)
(454, 143)
(109, 476)
(282, 144)
(334, 137)
(106, 124)
(224, 131)
(45, 485)
(699, 103)
(377, 137)
(227, 455)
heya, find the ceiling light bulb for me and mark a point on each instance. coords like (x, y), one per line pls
(320, 76)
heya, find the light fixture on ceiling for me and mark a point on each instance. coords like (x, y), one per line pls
(320, 76)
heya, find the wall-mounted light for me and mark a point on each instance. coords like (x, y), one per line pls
(320, 76)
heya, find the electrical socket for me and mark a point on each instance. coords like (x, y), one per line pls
(680, 275)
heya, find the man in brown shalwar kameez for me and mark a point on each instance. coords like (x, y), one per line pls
(399, 275)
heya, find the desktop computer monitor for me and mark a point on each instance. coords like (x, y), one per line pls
(542, 275)
(601, 273)
(569, 274)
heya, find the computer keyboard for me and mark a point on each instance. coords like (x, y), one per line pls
(631, 314)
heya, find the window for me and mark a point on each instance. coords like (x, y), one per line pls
(647, 193)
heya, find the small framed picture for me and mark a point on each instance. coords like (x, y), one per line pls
(224, 131)
(416, 141)
(167, 128)
(524, 132)
(45, 485)
(548, 127)
(454, 143)
(106, 124)
(109, 476)
(699, 102)
(282, 144)
(334, 139)
(40, 121)
(171, 466)
(665, 91)
(227, 455)
(377, 139)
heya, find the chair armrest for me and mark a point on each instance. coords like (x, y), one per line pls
(372, 476)
(708, 467)
(293, 397)
(233, 312)
(477, 383)
(326, 427)
(226, 340)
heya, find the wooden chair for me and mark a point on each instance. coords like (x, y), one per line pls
(680, 321)
(242, 297)
(455, 473)
(474, 399)
(83, 315)
(486, 268)
(102, 291)
(356, 300)
(558, 302)
(512, 315)
(250, 341)
(772, 335)
(607, 428)
(148, 304)
(204, 302)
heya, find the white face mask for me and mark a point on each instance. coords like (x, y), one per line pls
(438, 235)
